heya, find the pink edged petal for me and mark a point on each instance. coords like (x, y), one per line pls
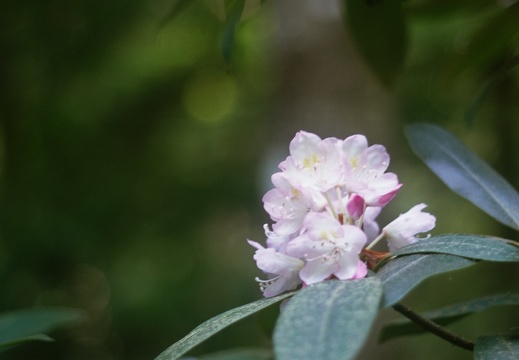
(384, 199)
(381, 190)
(362, 270)
(347, 266)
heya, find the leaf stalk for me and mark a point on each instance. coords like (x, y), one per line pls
(433, 327)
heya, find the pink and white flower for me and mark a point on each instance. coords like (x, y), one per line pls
(329, 248)
(364, 171)
(324, 206)
(286, 205)
(282, 270)
(403, 230)
(313, 163)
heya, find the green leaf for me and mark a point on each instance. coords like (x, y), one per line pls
(449, 314)
(233, 12)
(470, 246)
(19, 341)
(178, 7)
(465, 173)
(328, 320)
(499, 347)
(378, 30)
(489, 43)
(31, 324)
(487, 89)
(401, 275)
(212, 326)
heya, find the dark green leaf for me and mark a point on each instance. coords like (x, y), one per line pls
(233, 12)
(465, 173)
(31, 324)
(470, 246)
(212, 326)
(328, 320)
(401, 275)
(19, 341)
(491, 83)
(449, 314)
(379, 33)
(178, 7)
(499, 347)
(489, 43)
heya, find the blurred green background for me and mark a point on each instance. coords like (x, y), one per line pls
(133, 157)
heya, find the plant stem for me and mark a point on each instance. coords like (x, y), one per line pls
(374, 242)
(433, 327)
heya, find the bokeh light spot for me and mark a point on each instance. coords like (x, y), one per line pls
(210, 96)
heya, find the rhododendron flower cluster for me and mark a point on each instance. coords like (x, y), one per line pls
(324, 206)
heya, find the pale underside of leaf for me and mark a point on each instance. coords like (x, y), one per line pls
(476, 247)
(328, 320)
(465, 173)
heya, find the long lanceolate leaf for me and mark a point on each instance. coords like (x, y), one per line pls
(233, 12)
(379, 32)
(449, 314)
(212, 326)
(401, 275)
(31, 324)
(328, 320)
(465, 173)
(470, 246)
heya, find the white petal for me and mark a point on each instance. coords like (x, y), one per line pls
(317, 270)
(347, 266)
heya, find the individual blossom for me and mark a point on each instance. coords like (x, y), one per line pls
(364, 171)
(282, 270)
(313, 164)
(329, 248)
(286, 205)
(403, 230)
